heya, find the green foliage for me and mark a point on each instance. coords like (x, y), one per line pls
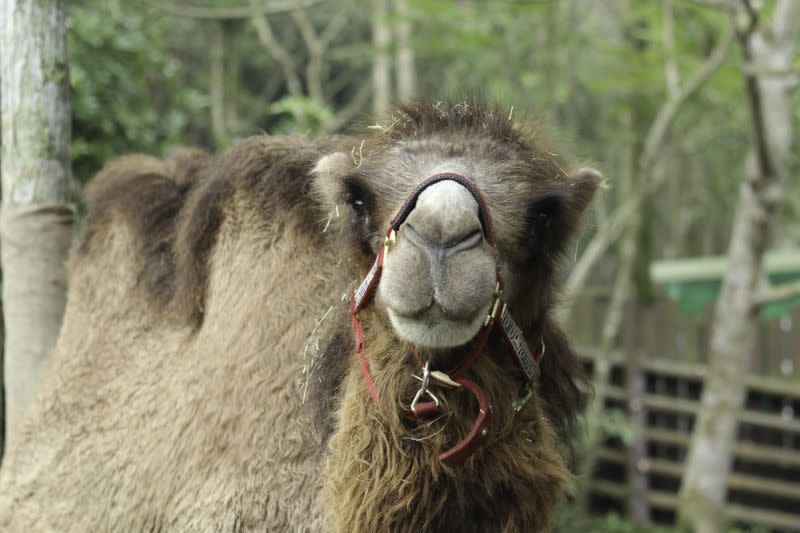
(128, 93)
(300, 115)
(616, 425)
(141, 83)
(598, 70)
(609, 523)
(613, 425)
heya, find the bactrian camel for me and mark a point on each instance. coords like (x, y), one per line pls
(340, 334)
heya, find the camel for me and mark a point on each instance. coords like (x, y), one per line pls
(337, 334)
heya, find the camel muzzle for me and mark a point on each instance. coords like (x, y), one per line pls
(425, 403)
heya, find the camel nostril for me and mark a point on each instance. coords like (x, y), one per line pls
(415, 237)
(466, 241)
(469, 240)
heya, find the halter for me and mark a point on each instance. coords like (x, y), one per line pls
(527, 362)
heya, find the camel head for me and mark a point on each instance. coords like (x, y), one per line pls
(440, 267)
(453, 219)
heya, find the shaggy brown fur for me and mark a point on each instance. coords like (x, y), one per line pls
(147, 193)
(151, 420)
(513, 484)
(206, 303)
(517, 481)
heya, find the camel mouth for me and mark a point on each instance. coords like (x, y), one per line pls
(434, 328)
(440, 271)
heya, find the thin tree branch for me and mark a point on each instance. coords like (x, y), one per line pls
(317, 46)
(217, 81)
(667, 114)
(777, 293)
(752, 19)
(762, 71)
(340, 82)
(671, 63)
(381, 70)
(284, 58)
(786, 21)
(619, 220)
(334, 27)
(231, 13)
(300, 17)
(356, 105)
(766, 169)
(314, 47)
(716, 4)
(271, 87)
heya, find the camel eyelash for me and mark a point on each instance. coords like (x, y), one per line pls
(355, 196)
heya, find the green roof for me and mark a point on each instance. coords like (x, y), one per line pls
(695, 283)
(713, 268)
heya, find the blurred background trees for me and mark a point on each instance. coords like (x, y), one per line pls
(654, 92)
(153, 75)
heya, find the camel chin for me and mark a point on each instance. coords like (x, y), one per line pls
(433, 330)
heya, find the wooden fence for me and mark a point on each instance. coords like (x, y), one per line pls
(661, 331)
(764, 485)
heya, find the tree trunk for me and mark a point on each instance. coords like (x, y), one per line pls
(267, 37)
(621, 293)
(37, 213)
(2, 384)
(404, 54)
(735, 317)
(231, 32)
(638, 502)
(217, 80)
(381, 74)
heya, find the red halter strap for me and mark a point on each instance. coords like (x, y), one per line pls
(512, 334)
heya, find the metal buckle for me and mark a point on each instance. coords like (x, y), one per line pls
(519, 403)
(423, 389)
(495, 306)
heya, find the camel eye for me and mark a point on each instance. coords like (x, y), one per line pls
(359, 225)
(358, 207)
(543, 215)
(355, 197)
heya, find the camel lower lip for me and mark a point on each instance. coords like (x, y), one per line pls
(430, 316)
(436, 332)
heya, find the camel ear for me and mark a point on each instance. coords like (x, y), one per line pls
(328, 173)
(583, 183)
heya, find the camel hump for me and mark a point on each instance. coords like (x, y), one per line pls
(173, 208)
(264, 178)
(145, 195)
(144, 190)
(188, 165)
